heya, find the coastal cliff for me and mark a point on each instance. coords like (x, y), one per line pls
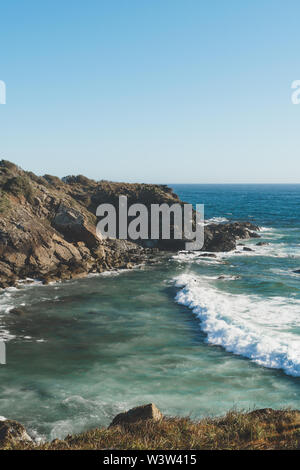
(48, 226)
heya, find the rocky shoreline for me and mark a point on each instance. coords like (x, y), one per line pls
(48, 227)
(145, 427)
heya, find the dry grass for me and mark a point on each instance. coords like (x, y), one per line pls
(237, 430)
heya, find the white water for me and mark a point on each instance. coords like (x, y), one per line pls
(216, 220)
(262, 330)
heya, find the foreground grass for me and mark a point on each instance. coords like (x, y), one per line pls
(263, 429)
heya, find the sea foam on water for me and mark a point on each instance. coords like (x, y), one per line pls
(256, 328)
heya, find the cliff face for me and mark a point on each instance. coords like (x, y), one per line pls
(48, 226)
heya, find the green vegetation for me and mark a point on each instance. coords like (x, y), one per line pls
(4, 204)
(19, 185)
(262, 429)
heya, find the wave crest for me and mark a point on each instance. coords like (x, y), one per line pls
(245, 325)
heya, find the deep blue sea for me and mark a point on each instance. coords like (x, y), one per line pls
(196, 336)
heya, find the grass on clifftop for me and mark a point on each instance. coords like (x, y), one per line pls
(264, 429)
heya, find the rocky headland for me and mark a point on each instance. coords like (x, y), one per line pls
(48, 227)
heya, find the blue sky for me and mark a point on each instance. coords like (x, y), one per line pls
(166, 91)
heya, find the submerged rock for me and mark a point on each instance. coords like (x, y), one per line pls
(140, 413)
(19, 312)
(297, 271)
(208, 255)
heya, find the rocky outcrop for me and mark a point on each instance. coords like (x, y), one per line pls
(12, 432)
(140, 413)
(223, 237)
(48, 227)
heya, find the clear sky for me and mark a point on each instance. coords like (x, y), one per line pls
(166, 91)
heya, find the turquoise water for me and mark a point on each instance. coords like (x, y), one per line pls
(173, 333)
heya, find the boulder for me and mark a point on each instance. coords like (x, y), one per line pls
(140, 413)
(262, 243)
(217, 240)
(297, 271)
(19, 312)
(11, 432)
(246, 248)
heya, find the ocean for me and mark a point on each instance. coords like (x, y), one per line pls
(196, 336)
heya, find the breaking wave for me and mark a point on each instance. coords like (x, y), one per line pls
(264, 331)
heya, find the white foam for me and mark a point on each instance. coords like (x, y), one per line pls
(273, 250)
(114, 272)
(285, 272)
(216, 220)
(261, 330)
(266, 229)
(5, 306)
(197, 257)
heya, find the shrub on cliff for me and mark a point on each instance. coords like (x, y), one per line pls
(4, 203)
(19, 185)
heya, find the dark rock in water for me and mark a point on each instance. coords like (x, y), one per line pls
(246, 248)
(262, 243)
(11, 432)
(297, 271)
(241, 244)
(171, 245)
(19, 312)
(140, 413)
(223, 237)
(207, 255)
(254, 235)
